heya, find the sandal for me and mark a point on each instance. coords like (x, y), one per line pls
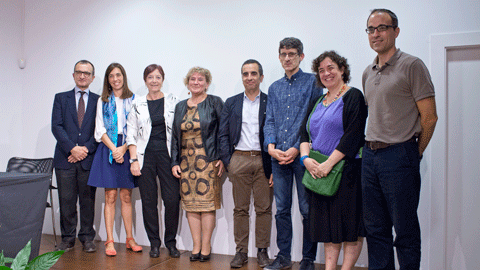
(109, 252)
(135, 248)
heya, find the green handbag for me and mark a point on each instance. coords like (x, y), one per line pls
(326, 186)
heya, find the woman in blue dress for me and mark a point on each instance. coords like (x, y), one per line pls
(336, 126)
(110, 168)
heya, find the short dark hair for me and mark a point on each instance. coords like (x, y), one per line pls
(151, 68)
(253, 61)
(339, 60)
(291, 43)
(107, 88)
(389, 12)
(85, 62)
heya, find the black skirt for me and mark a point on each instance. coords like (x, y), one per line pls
(338, 218)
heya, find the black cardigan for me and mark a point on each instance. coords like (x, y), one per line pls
(354, 118)
(209, 112)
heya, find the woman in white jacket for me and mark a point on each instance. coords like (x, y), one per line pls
(149, 132)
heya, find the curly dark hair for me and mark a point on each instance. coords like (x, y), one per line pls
(339, 60)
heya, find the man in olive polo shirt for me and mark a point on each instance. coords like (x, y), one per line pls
(402, 117)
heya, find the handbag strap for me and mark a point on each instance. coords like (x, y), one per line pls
(310, 116)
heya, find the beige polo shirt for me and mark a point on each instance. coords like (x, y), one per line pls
(391, 93)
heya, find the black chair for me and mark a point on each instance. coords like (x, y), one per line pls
(30, 165)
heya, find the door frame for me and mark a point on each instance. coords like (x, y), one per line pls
(439, 45)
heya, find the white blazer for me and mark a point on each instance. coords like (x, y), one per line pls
(139, 124)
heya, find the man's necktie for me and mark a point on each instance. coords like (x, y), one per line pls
(81, 109)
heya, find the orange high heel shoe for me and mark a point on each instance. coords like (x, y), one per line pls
(110, 253)
(136, 248)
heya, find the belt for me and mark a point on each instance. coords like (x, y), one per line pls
(374, 145)
(248, 153)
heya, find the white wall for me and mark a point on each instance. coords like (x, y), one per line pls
(11, 81)
(218, 35)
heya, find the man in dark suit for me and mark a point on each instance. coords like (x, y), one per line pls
(249, 167)
(73, 125)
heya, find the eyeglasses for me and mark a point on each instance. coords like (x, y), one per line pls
(380, 28)
(290, 55)
(86, 73)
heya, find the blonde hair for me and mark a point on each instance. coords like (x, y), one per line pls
(205, 72)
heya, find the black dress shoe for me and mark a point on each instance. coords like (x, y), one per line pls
(154, 252)
(174, 253)
(205, 258)
(262, 257)
(195, 257)
(239, 260)
(65, 246)
(89, 247)
(306, 265)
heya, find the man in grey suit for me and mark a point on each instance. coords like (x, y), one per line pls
(73, 125)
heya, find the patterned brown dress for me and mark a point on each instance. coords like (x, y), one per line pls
(199, 184)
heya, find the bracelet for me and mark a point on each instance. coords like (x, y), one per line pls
(302, 159)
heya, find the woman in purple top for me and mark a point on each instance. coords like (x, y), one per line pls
(337, 126)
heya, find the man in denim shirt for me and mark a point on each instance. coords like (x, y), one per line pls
(288, 99)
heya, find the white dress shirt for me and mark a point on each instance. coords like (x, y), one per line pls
(250, 134)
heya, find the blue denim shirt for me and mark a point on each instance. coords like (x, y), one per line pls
(287, 105)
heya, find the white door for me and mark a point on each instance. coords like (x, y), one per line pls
(455, 198)
(463, 175)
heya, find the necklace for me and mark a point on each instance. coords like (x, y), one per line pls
(344, 87)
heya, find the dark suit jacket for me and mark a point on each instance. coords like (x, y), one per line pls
(67, 132)
(231, 127)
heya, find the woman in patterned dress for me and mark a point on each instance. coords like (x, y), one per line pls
(196, 159)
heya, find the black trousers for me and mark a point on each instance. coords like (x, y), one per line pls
(158, 164)
(72, 186)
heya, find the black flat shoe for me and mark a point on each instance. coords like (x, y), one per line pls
(205, 258)
(195, 257)
(154, 252)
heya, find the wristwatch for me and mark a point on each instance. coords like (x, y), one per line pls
(133, 160)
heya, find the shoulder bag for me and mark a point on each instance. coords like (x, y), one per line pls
(328, 185)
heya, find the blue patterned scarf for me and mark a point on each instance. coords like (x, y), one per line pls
(110, 120)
